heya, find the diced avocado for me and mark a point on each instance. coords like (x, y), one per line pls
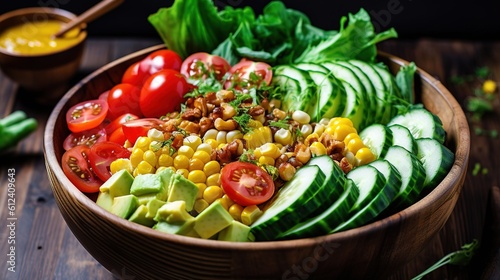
(118, 184)
(184, 228)
(124, 206)
(173, 212)
(166, 177)
(105, 200)
(146, 198)
(140, 216)
(212, 220)
(153, 206)
(237, 232)
(146, 184)
(183, 189)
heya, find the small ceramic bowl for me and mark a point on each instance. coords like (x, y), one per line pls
(47, 72)
(375, 250)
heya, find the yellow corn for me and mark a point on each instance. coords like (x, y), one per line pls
(355, 144)
(258, 137)
(150, 157)
(270, 150)
(197, 176)
(283, 137)
(165, 160)
(364, 156)
(196, 164)
(212, 142)
(143, 143)
(311, 138)
(119, 164)
(145, 168)
(210, 134)
(202, 155)
(183, 172)
(266, 160)
(181, 162)
(350, 136)
(232, 135)
(342, 130)
(213, 180)
(192, 141)
(317, 148)
(205, 147)
(211, 167)
(211, 193)
(250, 214)
(186, 151)
(235, 211)
(136, 157)
(301, 117)
(201, 189)
(340, 120)
(200, 205)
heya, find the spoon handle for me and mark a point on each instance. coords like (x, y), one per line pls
(91, 14)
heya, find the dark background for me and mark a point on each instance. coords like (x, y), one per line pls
(411, 18)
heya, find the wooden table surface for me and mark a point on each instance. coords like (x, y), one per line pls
(45, 248)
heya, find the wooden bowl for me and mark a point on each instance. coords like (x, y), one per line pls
(379, 248)
(43, 73)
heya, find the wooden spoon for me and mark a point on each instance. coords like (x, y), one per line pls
(91, 14)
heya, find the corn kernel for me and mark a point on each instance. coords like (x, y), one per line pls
(350, 136)
(355, 144)
(221, 137)
(213, 180)
(340, 120)
(311, 138)
(306, 129)
(202, 155)
(283, 136)
(318, 149)
(201, 189)
(254, 123)
(165, 160)
(200, 205)
(160, 169)
(324, 121)
(211, 168)
(192, 141)
(136, 156)
(211, 193)
(364, 156)
(119, 164)
(155, 134)
(186, 151)
(212, 142)
(318, 129)
(235, 211)
(301, 117)
(226, 201)
(150, 157)
(250, 214)
(183, 172)
(270, 150)
(195, 164)
(197, 176)
(342, 130)
(181, 162)
(205, 147)
(145, 168)
(210, 134)
(142, 143)
(266, 160)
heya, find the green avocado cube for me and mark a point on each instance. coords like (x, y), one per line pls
(212, 220)
(184, 190)
(153, 206)
(173, 212)
(140, 216)
(105, 200)
(146, 184)
(184, 228)
(166, 176)
(237, 232)
(124, 206)
(118, 184)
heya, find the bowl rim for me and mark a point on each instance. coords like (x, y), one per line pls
(453, 177)
(82, 35)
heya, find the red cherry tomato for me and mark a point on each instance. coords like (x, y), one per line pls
(87, 138)
(246, 183)
(124, 98)
(76, 167)
(241, 77)
(136, 74)
(163, 93)
(198, 64)
(101, 156)
(86, 115)
(104, 96)
(118, 137)
(160, 60)
(117, 122)
(136, 128)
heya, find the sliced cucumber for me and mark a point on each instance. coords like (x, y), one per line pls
(401, 136)
(381, 91)
(353, 108)
(378, 138)
(298, 87)
(381, 200)
(412, 175)
(369, 181)
(331, 217)
(295, 201)
(421, 123)
(392, 96)
(436, 158)
(334, 176)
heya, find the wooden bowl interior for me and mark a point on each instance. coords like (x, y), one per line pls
(374, 249)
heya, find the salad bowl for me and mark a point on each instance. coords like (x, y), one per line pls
(376, 249)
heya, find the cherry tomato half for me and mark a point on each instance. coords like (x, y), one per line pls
(246, 74)
(117, 122)
(86, 115)
(163, 93)
(134, 129)
(101, 156)
(124, 98)
(118, 136)
(198, 65)
(87, 138)
(76, 167)
(246, 183)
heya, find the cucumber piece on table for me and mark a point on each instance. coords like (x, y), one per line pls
(369, 182)
(331, 217)
(381, 200)
(378, 138)
(412, 175)
(401, 136)
(294, 202)
(421, 123)
(436, 158)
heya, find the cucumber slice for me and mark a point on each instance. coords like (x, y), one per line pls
(334, 176)
(412, 175)
(294, 202)
(353, 109)
(378, 138)
(401, 136)
(393, 94)
(369, 181)
(381, 91)
(331, 217)
(298, 87)
(436, 158)
(381, 200)
(421, 123)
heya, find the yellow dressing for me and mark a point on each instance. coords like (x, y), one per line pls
(32, 38)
